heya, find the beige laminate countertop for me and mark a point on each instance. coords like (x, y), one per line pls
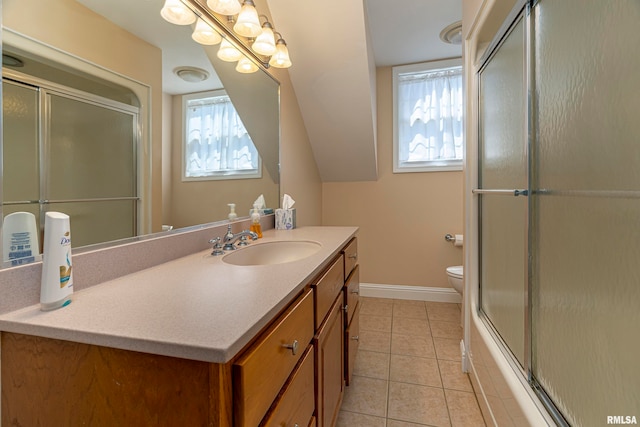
(196, 307)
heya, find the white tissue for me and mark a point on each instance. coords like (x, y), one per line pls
(260, 203)
(459, 240)
(287, 202)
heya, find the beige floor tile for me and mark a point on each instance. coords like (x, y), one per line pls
(451, 330)
(447, 349)
(352, 419)
(372, 364)
(453, 377)
(366, 396)
(375, 341)
(396, 423)
(415, 370)
(418, 404)
(408, 302)
(376, 306)
(463, 409)
(447, 312)
(416, 311)
(375, 323)
(409, 326)
(412, 345)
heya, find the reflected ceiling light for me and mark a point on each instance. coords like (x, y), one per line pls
(224, 7)
(452, 34)
(205, 34)
(248, 23)
(265, 44)
(228, 52)
(191, 74)
(280, 59)
(245, 65)
(176, 12)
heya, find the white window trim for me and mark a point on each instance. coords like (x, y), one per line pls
(218, 176)
(433, 166)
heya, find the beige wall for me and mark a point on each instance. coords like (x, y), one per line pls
(402, 217)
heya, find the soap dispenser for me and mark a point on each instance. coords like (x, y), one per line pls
(232, 211)
(255, 221)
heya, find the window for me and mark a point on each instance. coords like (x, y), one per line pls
(216, 144)
(428, 111)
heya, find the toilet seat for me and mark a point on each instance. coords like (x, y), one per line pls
(455, 271)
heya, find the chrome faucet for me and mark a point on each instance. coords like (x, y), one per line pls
(229, 238)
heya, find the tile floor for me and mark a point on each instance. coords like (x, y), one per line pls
(407, 372)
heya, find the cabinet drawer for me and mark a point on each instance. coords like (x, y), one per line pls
(352, 293)
(261, 372)
(350, 256)
(297, 404)
(327, 288)
(351, 343)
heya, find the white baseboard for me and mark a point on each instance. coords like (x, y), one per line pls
(418, 293)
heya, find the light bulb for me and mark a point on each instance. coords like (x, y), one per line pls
(228, 52)
(265, 44)
(248, 23)
(280, 59)
(246, 66)
(224, 7)
(176, 12)
(204, 34)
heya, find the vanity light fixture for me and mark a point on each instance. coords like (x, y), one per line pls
(178, 13)
(265, 43)
(248, 23)
(205, 34)
(228, 52)
(224, 7)
(246, 66)
(280, 59)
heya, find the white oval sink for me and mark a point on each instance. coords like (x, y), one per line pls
(278, 252)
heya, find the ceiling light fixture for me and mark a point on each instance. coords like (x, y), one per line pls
(452, 34)
(191, 74)
(248, 39)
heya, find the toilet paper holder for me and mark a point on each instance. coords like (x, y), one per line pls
(457, 239)
(449, 238)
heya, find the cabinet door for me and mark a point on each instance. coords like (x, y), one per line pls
(352, 294)
(330, 372)
(351, 343)
(327, 288)
(350, 256)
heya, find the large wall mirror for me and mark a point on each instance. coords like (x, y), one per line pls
(93, 121)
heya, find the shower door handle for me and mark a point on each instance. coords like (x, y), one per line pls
(513, 192)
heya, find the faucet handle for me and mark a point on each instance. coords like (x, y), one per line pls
(217, 247)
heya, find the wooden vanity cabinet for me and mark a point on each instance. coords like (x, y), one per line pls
(352, 307)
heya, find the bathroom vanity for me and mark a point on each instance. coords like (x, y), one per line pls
(194, 341)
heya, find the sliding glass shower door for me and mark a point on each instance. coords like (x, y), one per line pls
(559, 117)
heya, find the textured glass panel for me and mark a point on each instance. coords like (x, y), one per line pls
(91, 151)
(503, 276)
(20, 176)
(503, 165)
(586, 292)
(97, 222)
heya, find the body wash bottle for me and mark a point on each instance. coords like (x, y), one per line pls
(57, 279)
(255, 221)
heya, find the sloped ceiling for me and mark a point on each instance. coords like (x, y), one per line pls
(335, 46)
(334, 80)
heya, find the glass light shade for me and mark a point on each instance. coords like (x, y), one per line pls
(176, 12)
(280, 59)
(228, 52)
(224, 7)
(204, 34)
(248, 23)
(246, 66)
(265, 44)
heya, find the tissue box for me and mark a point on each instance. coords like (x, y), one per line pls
(285, 219)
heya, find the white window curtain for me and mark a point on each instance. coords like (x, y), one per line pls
(217, 141)
(429, 118)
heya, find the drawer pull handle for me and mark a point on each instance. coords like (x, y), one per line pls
(293, 347)
(354, 256)
(355, 338)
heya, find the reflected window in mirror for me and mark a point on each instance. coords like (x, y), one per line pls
(216, 144)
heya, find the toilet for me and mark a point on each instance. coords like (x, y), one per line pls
(456, 278)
